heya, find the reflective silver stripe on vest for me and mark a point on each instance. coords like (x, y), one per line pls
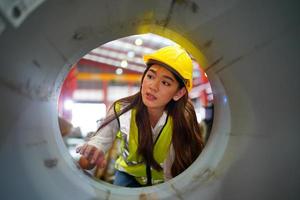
(125, 152)
(143, 180)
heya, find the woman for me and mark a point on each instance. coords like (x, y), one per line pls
(157, 126)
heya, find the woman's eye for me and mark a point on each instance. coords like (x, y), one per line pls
(166, 83)
(149, 76)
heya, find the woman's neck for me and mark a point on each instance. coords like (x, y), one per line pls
(154, 116)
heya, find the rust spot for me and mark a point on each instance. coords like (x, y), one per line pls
(143, 196)
(51, 162)
(169, 14)
(36, 63)
(83, 33)
(194, 7)
(207, 44)
(214, 63)
(77, 36)
(190, 4)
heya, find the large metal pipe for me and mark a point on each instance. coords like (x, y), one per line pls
(252, 48)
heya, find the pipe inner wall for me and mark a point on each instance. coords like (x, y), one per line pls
(252, 50)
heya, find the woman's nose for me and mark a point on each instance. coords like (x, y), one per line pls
(154, 85)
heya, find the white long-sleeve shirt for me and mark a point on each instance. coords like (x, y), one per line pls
(105, 137)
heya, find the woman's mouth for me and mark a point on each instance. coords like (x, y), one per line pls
(150, 97)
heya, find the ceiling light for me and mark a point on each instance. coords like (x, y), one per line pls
(124, 63)
(119, 71)
(130, 54)
(138, 42)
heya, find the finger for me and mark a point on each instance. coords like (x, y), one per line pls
(95, 156)
(79, 147)
(83, 148)
(101, 161)
(87, 151)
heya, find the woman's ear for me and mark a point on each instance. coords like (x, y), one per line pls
(180, 93)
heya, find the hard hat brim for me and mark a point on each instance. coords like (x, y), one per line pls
(171, 69)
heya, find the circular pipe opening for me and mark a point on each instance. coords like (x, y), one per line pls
(199, 172)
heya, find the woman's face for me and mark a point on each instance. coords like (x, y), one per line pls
(159, 86)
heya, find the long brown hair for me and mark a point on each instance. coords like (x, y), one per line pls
(186, 137)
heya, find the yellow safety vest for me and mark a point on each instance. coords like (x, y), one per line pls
(132, 163)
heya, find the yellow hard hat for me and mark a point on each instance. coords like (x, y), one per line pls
(176, 58)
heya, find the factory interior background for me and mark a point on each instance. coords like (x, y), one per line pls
(107, 73)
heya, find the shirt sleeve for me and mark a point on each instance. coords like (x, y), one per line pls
(168, 164)
(104, 138)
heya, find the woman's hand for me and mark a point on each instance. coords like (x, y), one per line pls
(91, 156)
